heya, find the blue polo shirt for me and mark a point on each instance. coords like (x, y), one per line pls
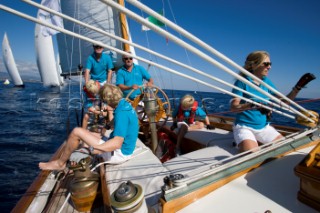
(98, 69)
(126, 126)
(136, 76)
(252, 118)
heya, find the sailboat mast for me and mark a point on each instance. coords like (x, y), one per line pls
(124, 28)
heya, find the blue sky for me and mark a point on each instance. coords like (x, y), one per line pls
(288, 30)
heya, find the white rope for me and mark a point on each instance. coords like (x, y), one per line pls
(139, 58)
(212, 50)
(154, 53)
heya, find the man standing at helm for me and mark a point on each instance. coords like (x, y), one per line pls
(99, 66)
(130, 76)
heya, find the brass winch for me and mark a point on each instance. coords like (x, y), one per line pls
(84, 187)
(129, 197)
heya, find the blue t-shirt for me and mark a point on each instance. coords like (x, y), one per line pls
(136, 76)
(98, 69)
(200, 113)
(126, 125)
(252, 118)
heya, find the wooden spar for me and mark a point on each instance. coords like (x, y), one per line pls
(124, 28)
(206, 57)
(128, 42)
(176, 203)
(143, 59)
(196, 40)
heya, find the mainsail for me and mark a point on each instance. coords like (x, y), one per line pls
(10, 63)
(45, 58)
(73, 51)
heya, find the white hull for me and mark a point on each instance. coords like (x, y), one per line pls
(9, 62)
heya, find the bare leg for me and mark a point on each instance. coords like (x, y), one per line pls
(182, 132)
(278, 137)
(197, 125)
(72, 144)
(85, 121)
(110, 113)
(246, 145)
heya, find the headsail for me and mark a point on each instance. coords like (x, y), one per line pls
(74, 51)
(10, 63)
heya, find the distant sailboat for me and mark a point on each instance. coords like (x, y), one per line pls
(6, 82)
(10, 63)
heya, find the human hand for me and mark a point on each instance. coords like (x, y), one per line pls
(149, 84)
(135, 87)
(304, 80)
(209, 127)
(174, 125)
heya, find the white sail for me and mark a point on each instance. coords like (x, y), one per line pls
(46, 59)
(74, 51)
(10, 63)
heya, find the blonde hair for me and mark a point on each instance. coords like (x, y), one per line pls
(187, 101)
(111, 94)
(255, 58)
(93, 86)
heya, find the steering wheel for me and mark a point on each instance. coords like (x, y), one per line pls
(162, 101)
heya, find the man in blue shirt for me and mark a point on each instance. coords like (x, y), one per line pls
(130, 76)
(122, 141)
(98, 64)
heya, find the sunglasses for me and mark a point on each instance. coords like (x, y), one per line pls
(266, 64)
(97, 47)
(127, 59)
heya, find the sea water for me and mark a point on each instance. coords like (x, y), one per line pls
(36, 120)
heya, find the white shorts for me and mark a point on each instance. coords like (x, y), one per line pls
(114, 157)
(264, 135)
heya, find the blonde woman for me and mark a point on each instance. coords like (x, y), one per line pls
(121, 143)
(184, 118)
(252, 124)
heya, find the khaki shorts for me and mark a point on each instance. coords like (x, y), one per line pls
(264, 135)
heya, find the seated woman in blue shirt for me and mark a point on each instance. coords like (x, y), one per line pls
(122, 141)
(252, 125)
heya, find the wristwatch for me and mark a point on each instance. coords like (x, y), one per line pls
(91, 149)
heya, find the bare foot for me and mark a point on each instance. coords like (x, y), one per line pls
(52, 165)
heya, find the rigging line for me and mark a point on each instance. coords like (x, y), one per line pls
(206, 57)
(215, 52)
(156, 74)
(150, 51)
(236, 111)
(224, 68)
(187, 55)
(139, 58)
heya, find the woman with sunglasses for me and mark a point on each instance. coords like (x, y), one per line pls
(252, 123)
(130, 76)
(99, 66)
